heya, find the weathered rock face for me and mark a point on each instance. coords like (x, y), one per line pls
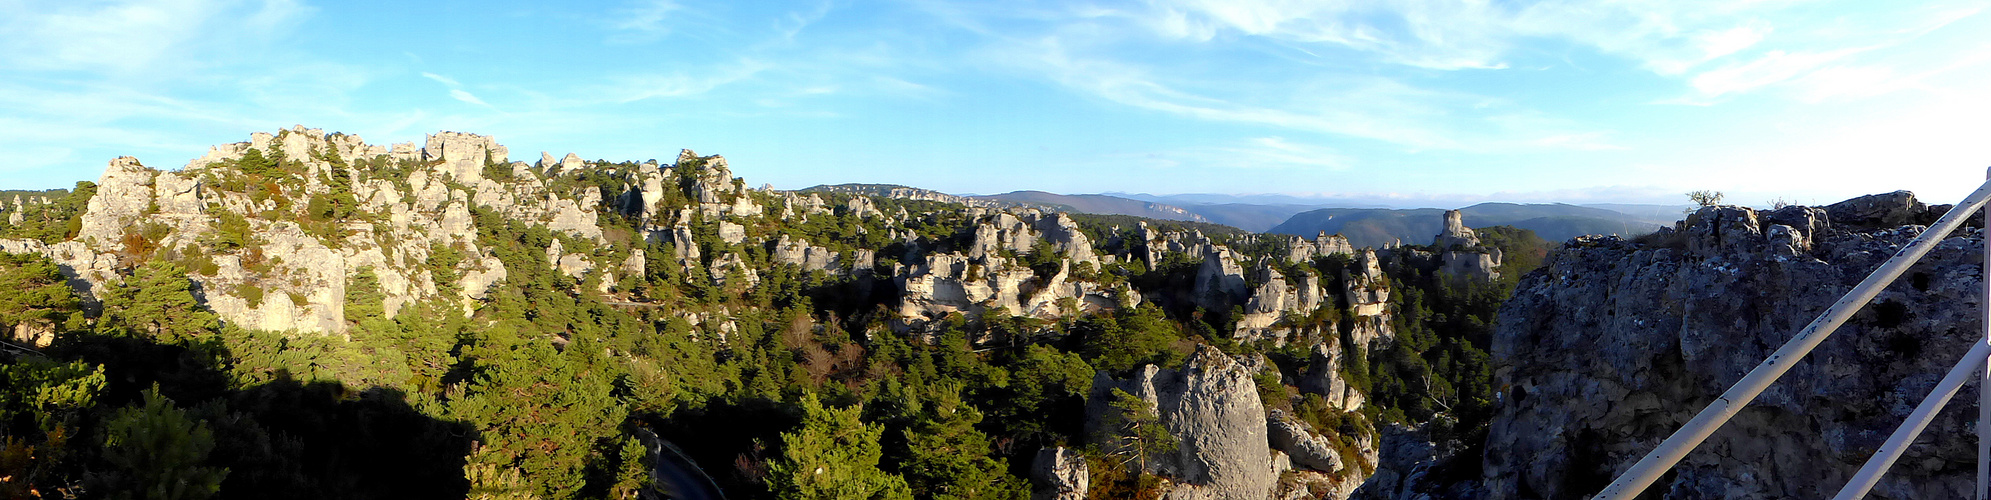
(1455, 233)
(801, 253)
(1404, 460)
(292, 280)
(1615, 344)
(1461, 254)
(462, 155)
(1276, 297)
(1220, 282)
(1059, 474)
(1063, 233)
(1211, 406)
(1299, 442)
(1367, 291)
(1159, 244)
(1478, 264)
(1323, 377)
(1323, 244)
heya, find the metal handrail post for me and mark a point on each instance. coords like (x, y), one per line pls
(1984, 376)
(1656, 463)
(1903, 436)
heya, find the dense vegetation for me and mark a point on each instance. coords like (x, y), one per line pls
(49, 216)
(793, 386)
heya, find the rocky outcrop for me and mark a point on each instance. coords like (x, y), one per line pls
(291, 279)
(1323, 377)
(1615, 344)
(1323, 244)
(1274, 299)
(1461, 255)
(1366, 291)
(1064, 235)
(1220, 282)
(1455, 233)
(1298, 441)
(1059, 474)
(1476, 264)
(801, 253)
(463, 156)
(1211, 406)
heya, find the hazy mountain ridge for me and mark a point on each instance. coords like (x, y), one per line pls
(912, 193)
(1099, 204)
(1379, 227)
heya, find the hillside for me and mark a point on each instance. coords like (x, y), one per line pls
(315, 316)
(1378, 227)
(1099, 204)
(1254, 218)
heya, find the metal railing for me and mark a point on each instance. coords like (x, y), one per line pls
(1669, 452)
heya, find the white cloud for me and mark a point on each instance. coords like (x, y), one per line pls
(1774, 67)
(643, 21)
(681, 84)
(1279, 152)
(1374, 108)
(441, 79)
(140, 37)
(460, 95)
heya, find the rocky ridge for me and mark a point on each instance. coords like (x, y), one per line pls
(1615, 343)
(274, 230)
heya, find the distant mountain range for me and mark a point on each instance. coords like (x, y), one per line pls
(1553, 222)
(1102, 204)
(1364, 223)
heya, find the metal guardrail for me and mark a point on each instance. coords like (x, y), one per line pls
(17, 350)
(1669, 452)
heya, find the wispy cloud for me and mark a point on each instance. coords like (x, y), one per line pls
(451, 82)
(1374, 108)
(633, 88)
(643, 21)
(139, 37)
(1279, 152)
(466, 97)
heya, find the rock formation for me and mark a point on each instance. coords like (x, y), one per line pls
(1615, 343)
(1462, 254)
(1059, 474)
(1211, 406)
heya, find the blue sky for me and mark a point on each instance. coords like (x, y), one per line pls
(1429, 103)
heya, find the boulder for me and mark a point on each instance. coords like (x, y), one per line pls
(1300, 444)
(1211, 406)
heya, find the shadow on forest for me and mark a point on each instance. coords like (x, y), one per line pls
(287, 438)
(731, 441)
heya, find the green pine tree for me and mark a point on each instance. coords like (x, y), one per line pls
(949, 458)
(157, 302)
(1137, 432)
(834, 456)
(158, 453)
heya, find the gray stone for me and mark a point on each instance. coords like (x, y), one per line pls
(1614, 344)
(1212, 408)
(1877, 210)
(1059, 474)
(1301, 444)
(1455, 233)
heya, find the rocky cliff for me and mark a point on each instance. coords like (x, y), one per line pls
(1615, 343)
